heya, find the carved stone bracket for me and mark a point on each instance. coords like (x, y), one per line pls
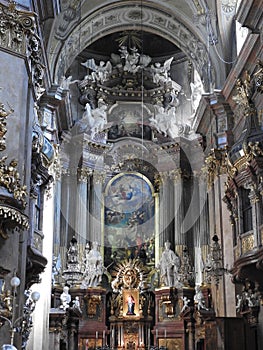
(18, 219)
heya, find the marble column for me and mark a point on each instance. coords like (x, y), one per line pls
(157, 228)
(81, 208)
(227, 245)
(97, 208)
(178, 207)
(164, 203)
(40, 332)
(57, 213)
(255, 200)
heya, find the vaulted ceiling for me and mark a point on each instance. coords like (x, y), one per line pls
(167, 27)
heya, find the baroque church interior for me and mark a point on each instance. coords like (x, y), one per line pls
(131, 175)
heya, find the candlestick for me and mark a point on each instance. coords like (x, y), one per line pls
(149, 338)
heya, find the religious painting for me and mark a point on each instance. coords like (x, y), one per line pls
(171, 343)
(129, 119)
(89, 344)
(130, 302)
(129, 212)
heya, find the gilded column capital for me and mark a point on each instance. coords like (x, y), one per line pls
(83, 174)
(18, 33)
(164, 176)
(15, 27)
(216, 164)
(254, 194)
(176, 175)
(99, 177)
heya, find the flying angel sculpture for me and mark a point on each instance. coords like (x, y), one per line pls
(99, 72)
(161, 73)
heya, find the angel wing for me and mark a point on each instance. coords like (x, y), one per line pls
(108, 67)
(90, 63)
(145, 60)
(167, 64)
(116, 59)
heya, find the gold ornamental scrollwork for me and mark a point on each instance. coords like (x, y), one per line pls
(11, 188)
(84, 174)
(247, 243)
(14, 27)
(176, 175)
(93, 301)
(10, 179)
(3, 115)
(215, 164)
(99, 177)
(258, 77)
(244, 94)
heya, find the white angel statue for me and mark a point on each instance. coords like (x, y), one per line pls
(160, 73)
(100, 72)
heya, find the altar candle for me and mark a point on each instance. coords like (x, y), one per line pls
(156, 333)
(103, 334)
(96, 334)
(149, 336)
(165, 333)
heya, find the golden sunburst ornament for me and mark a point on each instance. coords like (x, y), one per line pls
(130, 39)
(128, 274)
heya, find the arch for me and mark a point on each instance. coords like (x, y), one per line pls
(129, 16)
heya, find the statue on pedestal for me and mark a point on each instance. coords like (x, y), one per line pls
(93, 267)
(65, 298)
(169, 265)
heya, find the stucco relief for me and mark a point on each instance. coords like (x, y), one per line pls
(229, 6)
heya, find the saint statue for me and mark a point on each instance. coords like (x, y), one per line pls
(65, 298)
(94, 267)
(169, 265)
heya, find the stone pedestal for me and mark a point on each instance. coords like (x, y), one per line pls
(170, 328)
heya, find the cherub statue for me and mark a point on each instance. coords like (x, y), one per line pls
(65, 298)
(199, 299)
(186, 302)
(65, 82)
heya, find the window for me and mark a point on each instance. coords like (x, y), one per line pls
(246, 210)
